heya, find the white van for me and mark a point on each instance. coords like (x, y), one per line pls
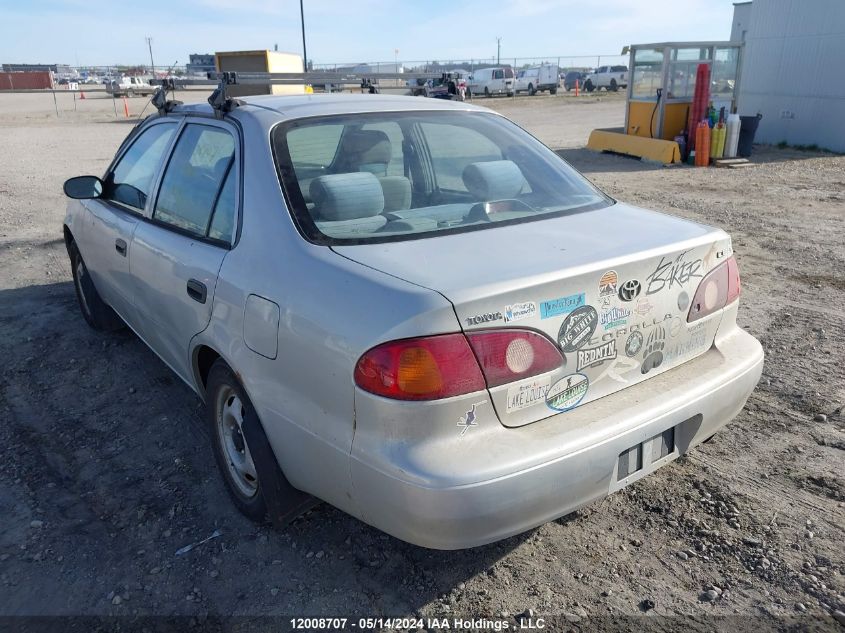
(492, 81)
(537, 79)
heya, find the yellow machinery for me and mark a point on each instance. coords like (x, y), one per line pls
(661, 86)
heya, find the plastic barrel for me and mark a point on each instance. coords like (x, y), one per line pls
(747, 130)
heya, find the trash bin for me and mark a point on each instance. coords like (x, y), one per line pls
(747, 130)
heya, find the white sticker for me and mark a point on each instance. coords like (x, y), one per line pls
(519, 311)
(528, 394)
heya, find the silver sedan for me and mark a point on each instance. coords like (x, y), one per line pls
(412, 310)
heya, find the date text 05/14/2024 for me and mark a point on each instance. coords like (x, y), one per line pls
(404, 624)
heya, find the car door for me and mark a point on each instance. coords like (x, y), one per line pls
(110, 223)
(177, 252)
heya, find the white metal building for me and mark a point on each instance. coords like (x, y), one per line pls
(793, 70)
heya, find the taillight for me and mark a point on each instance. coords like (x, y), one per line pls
(719, 288)
(433, 367)
(508, 355)
(425, 368)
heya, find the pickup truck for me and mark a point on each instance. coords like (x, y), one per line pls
(129, 87)
(607, 77)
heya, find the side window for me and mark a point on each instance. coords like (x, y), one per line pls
(498, 74)
(314, 147)
(194, 178)
(452, 148)
(132, 178)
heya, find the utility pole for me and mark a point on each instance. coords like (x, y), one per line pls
(304, 52)
(498, 50)
(152, 63)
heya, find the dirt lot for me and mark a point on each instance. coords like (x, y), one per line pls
(108, 469)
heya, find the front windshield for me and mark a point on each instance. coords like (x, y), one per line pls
(387, 176)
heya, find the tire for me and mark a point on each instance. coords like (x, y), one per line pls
(510, 94)
(531, 91)
(97, 313)
(588, 86)
(130, 93)
(486, 92)
(552, 91)
(568, 88)
(613, 85)
(250, 470)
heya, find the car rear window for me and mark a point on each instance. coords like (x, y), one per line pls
(376, 177)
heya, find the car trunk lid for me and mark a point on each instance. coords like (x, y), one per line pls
(611, 287)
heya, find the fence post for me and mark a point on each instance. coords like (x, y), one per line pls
(513, 86)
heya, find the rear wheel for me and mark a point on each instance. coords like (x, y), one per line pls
(588, 86)
(130, 93)
(97, 313)
(486, 92)
(613, 86)
(251, 472)
(531, 90)
(553, 91)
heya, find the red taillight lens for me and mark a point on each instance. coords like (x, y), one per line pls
(508, 355)
(720, 287)
(425, 368)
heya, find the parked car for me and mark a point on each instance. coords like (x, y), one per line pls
(491, 81)
(412, 310)
(451, 85)
(538, 79)
(129, 87)
(607, 77)
(571, 77)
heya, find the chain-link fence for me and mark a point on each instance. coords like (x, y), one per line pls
(101, 73)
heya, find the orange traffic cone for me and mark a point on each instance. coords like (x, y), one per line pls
(125, 107)
(81, 94)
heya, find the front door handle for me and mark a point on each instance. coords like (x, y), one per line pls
(120, 246)
(197, 290)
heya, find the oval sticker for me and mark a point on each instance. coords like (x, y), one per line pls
(577, 328)
(567, 392)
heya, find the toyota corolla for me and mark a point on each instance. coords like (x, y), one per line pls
(412, 310)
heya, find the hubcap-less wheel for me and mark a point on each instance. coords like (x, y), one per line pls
(230, 417)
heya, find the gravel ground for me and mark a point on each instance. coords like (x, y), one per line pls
(108, 469)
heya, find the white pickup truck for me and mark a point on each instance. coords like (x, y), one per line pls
(607, 77)
(129, 87)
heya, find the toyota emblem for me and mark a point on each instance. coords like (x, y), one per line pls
(629, 290)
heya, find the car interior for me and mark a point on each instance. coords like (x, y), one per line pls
(417, 183)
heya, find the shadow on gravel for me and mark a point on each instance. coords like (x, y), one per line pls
(109, 472)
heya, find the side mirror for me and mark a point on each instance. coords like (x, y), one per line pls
(83, 187)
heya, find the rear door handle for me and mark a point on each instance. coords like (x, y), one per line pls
(120, 246)
(197, 290)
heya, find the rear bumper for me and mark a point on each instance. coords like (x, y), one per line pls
(503, 481)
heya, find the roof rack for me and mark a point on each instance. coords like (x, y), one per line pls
(222, 102)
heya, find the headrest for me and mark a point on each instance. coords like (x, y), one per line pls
(397, 192)
(346, 196)
(365, 150)
(493, 180)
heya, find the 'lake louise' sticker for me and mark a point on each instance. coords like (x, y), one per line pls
(528, 394)
(567, 392)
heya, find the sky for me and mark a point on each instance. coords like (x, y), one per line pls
(100, 32)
